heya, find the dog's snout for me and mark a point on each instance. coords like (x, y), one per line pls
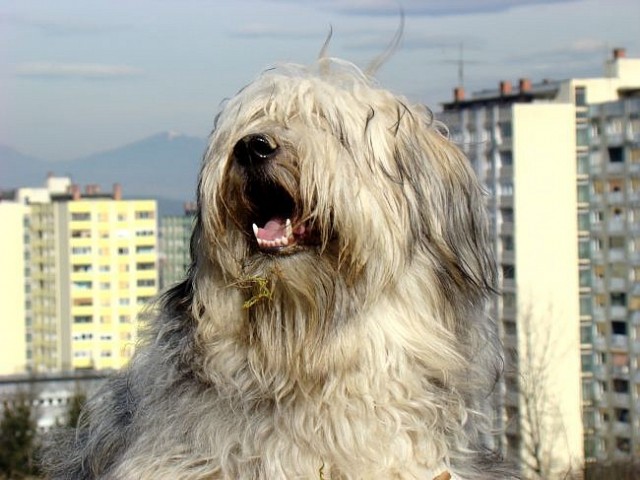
(255, 149)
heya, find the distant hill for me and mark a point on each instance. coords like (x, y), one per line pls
(164, 166)
(17, 169)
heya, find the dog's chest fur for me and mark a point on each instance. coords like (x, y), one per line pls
(360, 425)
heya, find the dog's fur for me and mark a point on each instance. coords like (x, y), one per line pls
(361, 351)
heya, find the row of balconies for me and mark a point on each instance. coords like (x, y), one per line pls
(614, 198)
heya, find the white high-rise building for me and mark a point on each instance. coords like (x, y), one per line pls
(530, 146)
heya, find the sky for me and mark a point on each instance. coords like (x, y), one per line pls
(83, 76)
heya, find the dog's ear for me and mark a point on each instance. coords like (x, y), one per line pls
(452, 216)
(465, 231)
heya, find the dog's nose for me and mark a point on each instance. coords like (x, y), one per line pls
(255, 149)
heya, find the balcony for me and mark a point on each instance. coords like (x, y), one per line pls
(618, 312)
(619, 342)
(621, 399)
(617, 167)
(616, 255)
(618, 284)
(616, 198)
(616, 226)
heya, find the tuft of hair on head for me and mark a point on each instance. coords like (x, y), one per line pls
(377, 62)
(381, 59)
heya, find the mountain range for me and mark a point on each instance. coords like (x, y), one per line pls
(164, 166)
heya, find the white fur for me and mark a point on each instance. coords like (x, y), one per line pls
(365, 355)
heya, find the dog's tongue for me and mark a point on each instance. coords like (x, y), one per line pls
(274, 228)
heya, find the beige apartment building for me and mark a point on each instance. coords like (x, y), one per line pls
(90, 267)
(12, 295)
(530, 146)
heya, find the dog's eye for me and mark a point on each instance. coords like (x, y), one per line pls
(262, 146)
(254, 149)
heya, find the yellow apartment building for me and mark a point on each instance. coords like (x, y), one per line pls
(91, 269)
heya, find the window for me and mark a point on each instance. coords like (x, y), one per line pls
(585, 305)
(506, 158)
(141, 215)
(616, 154)
(143, 300)
(144, 249)
(507, 214)
(81, 216)
(619, 328)
(617, 242)
(508, 272)
(80, 233)
(82, 319)
(623, 444)
(620, 385)
(581, 96)
(145, 266)
(618, 299)
(123, 251)
(146, 282)
(509, 300)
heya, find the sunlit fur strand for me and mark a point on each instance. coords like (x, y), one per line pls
(370, 354)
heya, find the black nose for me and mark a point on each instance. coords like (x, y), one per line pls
(255, 149)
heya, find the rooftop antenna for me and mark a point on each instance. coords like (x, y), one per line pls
(461, 66)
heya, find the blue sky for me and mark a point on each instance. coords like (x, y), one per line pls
(80, 76)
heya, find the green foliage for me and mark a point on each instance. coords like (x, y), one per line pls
(260, 288)
(18, 444)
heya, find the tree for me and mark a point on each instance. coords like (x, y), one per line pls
(17, 438)
(622, 470)
(545, 450)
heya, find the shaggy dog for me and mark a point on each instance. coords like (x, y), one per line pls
(332, 323)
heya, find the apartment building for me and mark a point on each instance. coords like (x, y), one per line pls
(90, 269)
(611, 358)
(12, 295)
(175, 238)
(530, 146)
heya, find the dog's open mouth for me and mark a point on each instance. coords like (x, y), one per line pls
(276, 225)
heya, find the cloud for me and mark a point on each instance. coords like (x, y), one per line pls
(584, 49)
(273, 32)
(428, 7)
(63, 26)
(90, 71)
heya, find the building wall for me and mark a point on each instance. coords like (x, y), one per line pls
(175, 237)
(113, 275)
(12, 289)
(546, 260)
(611, 371)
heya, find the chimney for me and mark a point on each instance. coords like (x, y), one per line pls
(75, 192)
(117, 191)
(458, 94)
(505, 87)
(524, 85)
(619, 53)
(190, 208)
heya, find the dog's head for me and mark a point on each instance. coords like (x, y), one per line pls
(311, 169)
(323, 198)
